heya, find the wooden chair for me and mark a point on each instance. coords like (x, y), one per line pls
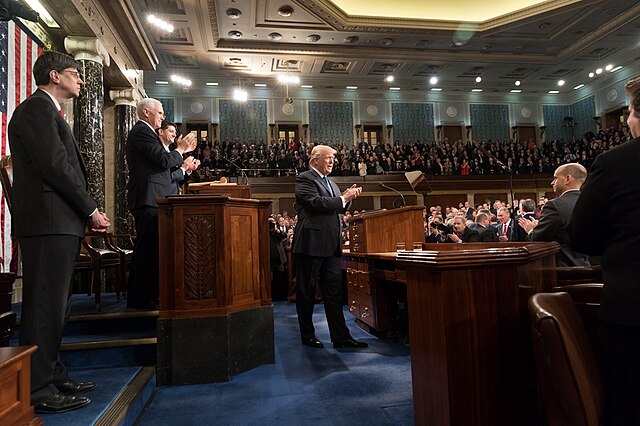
(568, 372)
(569, 275)
(92, 258)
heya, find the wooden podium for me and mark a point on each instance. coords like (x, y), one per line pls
(379, 230)
(225, 189)
(471, 358)
(216, 316)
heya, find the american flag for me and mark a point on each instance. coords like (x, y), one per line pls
(19, 49)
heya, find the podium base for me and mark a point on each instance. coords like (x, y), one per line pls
(212, 349)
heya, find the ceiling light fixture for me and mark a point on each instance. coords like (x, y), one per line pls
(517, 83)
(618, 68)
(240, 95)
(608, 67)
(307, 86)
(260, 85)
(591, 75)
(181, 80)
(433, 80)
(389, 78)
(352, 87)
(436, 89)
(516, 90)
(579, 86)
(211, 84)
(394, 88)
(476, 90)
(553, 92)
(162, 82)
(288, 79)
(478, 79)
(560, 83)
(163, 25)
(44, 13)
(599, 71)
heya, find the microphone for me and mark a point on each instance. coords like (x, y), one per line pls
(382, 185)
(245, 179)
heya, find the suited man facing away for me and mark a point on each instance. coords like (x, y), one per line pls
(150, 177)
(51, 208)
(605, 223)
(317, 247)
(556, 213)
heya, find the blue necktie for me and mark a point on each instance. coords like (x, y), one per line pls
(326, 182)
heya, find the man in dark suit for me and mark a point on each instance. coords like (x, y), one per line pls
(179, 174)
(482, 226)
(463, 233)
(51, 208)
(605, 222)
(150, 176)
(556, 213)
(507, 229)
(317, 248)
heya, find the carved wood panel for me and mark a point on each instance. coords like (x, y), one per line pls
(199, 257)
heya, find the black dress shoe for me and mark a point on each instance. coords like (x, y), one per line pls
(71, 388)
(60, 403)
(312, 342)
(350, 343)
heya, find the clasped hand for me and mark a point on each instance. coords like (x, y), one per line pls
(352, 192)
(98, 222)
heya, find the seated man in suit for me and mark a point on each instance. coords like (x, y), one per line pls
(463, 233)
(317, 248)
(482, 226)
(554, 219)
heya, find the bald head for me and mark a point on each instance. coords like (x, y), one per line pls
(568, 176)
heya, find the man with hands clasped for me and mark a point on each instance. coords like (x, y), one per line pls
(317, 247)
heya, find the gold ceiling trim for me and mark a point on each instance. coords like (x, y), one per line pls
(337, 18)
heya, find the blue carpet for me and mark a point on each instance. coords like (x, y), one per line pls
(111, 382)
(304, 386)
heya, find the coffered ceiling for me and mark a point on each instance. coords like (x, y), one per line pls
(334, 43)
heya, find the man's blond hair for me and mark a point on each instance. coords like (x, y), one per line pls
(318, 151)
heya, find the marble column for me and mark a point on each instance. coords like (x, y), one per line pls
(88, 110)
(124, 119)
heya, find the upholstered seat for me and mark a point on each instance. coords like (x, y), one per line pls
(568, 372)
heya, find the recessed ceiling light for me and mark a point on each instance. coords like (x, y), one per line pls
(599, 71)
(394, 88)
(560, 82)
(389, 78)
(436, 89)
(608, 67)
(553, 92)
(478, 79)
(352, 87)
(160, 23)
(579, 86)
(260, 85)
(618, 68)
(591, 75)
(517, 83)
(476, 90)
(516, 90)
(162, 82)
(433, 80)
(307, 86)
(211, 84)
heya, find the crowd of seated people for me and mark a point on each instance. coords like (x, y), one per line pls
(437, 158)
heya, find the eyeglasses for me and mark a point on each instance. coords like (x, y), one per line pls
(76, 74)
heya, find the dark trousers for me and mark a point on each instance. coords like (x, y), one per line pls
(142, 288)
(49, 262)
(324, 271)
(620, 354)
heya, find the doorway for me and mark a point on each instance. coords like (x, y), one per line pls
(201, 130)
(452, 132)
(372, 134)
(289, 132)
(527, 133)
(616, 119)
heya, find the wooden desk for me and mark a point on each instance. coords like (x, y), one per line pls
(469, 327)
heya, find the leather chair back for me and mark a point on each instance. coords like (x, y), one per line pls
(568, 372)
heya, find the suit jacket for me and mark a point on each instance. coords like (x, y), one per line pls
(49, 187)
(150, 174)
(317, 232)
(514, 231)
(470, 236)
(552, 226)
(605, 222)
(486, 235)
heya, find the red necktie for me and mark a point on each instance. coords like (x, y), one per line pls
(504, 229)
(61, 113)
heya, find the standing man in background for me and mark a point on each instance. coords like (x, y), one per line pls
(317, 247)
(167, 134)
(150, 166)
(605, 222)
(51, 207)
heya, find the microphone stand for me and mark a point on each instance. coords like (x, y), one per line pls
(504, 168)
(382, 185)
(245, 178)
